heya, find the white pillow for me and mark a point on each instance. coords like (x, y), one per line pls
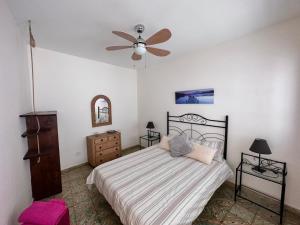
(219, 145)
(164, 142)
(202, 153)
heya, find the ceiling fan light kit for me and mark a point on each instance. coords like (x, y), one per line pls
(140, 46)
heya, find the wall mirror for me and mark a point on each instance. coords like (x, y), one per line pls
(101, 111)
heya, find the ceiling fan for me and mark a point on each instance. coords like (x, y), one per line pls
(140, 45)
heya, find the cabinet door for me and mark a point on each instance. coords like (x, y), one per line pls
(45, 173)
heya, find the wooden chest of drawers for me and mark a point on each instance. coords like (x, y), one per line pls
(103, 147)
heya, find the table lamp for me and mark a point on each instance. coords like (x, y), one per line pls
(260, 146)
(150, 125)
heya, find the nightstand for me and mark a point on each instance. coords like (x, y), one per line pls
(276, 172)
(151, 137)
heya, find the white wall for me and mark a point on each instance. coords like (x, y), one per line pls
(15, 189)
(67, 84)
(256, 81)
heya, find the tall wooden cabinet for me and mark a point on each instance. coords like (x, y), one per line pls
(44, 164)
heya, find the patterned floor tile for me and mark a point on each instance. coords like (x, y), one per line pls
(233, 220)
(83, 210)
(261, 221)
(79, 186)
(291, 219)
(267, 216)
(247, 205)
(130, 150)
(225, 191)
(201, 221)
(242, 213)
(81, 197)
(72, 215)
(108, 220)
(216, 209)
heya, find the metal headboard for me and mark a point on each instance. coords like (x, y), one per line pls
(192, 121)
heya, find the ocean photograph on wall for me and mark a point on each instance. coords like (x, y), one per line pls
(201, 96)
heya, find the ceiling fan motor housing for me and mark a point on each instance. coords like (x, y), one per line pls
(139, 28)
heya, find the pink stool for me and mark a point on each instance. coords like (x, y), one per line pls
(54, 212)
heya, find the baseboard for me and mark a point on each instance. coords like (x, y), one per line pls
(134, 146)
(74, 167)
(287, 207)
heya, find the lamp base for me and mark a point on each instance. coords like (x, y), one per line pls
(150, 133)
(258, 169)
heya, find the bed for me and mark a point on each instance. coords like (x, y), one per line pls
(149, 187)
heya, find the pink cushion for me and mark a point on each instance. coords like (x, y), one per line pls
(44, 213)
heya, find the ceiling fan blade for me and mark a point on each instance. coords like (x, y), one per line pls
(125, 36)
(136, 56)
(111, 48)
(158, 51)
(159, 37)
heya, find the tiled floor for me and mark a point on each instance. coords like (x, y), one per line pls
(90, 207)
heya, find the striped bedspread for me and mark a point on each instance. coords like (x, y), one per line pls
(149, 187)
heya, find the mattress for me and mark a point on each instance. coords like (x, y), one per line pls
(149, 187)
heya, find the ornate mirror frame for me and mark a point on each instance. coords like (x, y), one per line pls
(94, 123)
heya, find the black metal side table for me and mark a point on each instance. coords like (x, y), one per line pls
(150, 138)
(276, 172)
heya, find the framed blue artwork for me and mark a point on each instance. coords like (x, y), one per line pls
(200, 96)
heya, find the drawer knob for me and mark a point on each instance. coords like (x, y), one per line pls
(101, 139)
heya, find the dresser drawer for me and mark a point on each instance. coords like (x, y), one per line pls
(101, 140)
(101, 147)
(115, 150)
(114, 137)
(107, 157)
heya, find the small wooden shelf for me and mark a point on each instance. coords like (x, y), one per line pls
(34, 154)
(29, 133)
(44, 113)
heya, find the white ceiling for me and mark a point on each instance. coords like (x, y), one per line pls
(83, 28)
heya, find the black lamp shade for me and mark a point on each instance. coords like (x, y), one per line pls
(150, 125)
(260, 146)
